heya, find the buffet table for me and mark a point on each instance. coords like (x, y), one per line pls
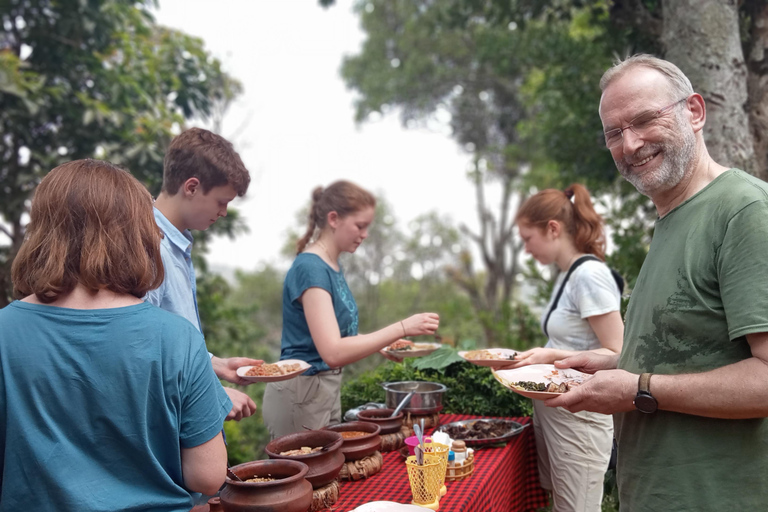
(505, 479)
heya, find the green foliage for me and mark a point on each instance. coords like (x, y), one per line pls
(438, 360)
(471, 389)
(92, 79)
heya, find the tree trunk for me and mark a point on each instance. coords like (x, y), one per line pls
(757, 60)
(702, 38)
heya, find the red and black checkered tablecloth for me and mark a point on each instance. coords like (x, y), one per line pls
(505, 479)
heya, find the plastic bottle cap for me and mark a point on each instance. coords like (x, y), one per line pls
(459, 445)
(451, 455)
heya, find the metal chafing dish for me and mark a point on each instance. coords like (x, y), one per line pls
(427, 397)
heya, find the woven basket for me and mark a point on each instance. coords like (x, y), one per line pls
(325, 496)
(362, 468)
(430, 420)
(392, 442)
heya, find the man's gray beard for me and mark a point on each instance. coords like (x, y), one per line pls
(677, 160)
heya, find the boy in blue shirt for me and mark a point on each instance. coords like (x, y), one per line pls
(202, 174)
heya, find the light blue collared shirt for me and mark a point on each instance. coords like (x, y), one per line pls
(178, 293)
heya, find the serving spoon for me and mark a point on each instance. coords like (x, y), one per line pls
(403, 403)
(231, 474)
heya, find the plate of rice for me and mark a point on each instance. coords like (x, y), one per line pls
(273, 372)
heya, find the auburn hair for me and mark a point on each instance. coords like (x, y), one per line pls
(573, 208)
(202, 154)
(342, 197)
(90, 223)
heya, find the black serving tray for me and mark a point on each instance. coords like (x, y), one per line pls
(514, 428)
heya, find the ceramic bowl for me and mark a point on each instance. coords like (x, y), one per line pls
(355, 448)
(289, 492)
(381, 417)
(324, 466)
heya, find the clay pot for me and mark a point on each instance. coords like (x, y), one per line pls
(214, 505)
(381, 417)
(324, 465)
(355, 448)
(291, 492)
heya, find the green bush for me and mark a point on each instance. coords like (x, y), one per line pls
(471, 389)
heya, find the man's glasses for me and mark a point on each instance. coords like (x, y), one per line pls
(639, 125)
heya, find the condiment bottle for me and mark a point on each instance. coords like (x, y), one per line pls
(451, 458)
(460, 452)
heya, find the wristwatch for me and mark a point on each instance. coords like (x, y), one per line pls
(644, 401)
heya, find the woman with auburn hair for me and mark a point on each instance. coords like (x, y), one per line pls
(320, 320)
(106, 402)
(562, 228)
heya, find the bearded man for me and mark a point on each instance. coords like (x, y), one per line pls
(689, 392)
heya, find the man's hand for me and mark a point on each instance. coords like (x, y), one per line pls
(226, 369)
(606, 392)
(589, 362)
(242, 405)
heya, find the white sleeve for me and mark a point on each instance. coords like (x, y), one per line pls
(593, 290)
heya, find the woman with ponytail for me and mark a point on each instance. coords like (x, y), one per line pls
(320, 320)
(562, 228)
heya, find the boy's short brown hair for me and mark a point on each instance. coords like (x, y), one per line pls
(90, 223)
(202, 154)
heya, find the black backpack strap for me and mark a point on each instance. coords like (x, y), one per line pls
(575, 265)
(619, 280)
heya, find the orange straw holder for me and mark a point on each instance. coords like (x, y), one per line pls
(441, 450)
(425, 480)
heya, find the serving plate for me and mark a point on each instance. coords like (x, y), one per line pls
(514, 428)
(304, 366)
(492, 363)
(419, 349)
(541, 373)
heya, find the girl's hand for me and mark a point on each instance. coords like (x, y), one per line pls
(423, 323)
(538, 355)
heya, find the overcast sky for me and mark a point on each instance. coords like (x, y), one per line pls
(294, 124)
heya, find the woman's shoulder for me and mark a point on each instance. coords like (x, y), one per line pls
(592, 269)
(310, 262)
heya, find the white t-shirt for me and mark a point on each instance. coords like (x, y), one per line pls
(590, 291)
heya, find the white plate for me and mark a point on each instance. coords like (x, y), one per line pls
(241, 372)
(493, 363)
(536, 373)
(387, 506)
(419, 349)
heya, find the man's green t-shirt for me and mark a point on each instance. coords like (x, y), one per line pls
(702, 288)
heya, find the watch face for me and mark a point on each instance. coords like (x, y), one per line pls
(645, 403)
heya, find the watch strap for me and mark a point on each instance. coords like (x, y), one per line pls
(644, 383)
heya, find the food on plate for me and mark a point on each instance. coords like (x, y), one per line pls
(565, 384)
(477, 430)
(477, 355)
(270, 370)
(400, 345)
(301, 451)
(405, 345)
(261, 479)
(350, 434)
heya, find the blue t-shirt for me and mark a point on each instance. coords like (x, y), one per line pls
(95, 406)
(310, 271)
